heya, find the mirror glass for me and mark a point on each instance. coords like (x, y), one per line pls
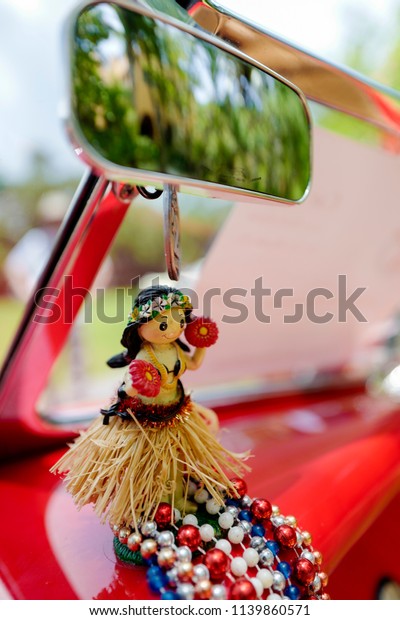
(149, 95)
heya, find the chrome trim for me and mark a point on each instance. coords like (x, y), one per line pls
(117, 173)
(327, 83)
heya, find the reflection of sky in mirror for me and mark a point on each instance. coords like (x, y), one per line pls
(114, 46)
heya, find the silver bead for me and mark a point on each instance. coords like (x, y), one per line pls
(308, 556)
(172, 576)
(183, 554)
(266, 558)
(149, 528)
(177, 515)
(299, 539)
(233, 511)
(218, 593)
(257, 543)
(165, 539)
(277, 521)
(279, 580)
(185, 591)
(275, 510)
(246, 501)
(200, 572)
(246, 526)
(316, 584)
(123, 534)
(192, 488)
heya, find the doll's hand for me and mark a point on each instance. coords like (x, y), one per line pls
(202, 332)
(145, 378)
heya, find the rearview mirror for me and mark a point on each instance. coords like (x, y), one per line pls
(156, 101)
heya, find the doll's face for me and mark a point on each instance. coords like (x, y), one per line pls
(164, 328)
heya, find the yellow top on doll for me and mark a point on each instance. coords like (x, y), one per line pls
(155, 439)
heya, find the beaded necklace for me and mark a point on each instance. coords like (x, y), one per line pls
(148, 348)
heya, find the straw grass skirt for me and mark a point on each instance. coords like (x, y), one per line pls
(127, 467)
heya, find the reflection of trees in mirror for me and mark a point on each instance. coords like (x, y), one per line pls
(172, 103)
(102, 101)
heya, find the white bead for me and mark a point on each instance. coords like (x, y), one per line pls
(201, 496)
(206, 532)
(212, 507)
(218, 593)
(200, 572)
(238, 567)
(149, 528)
(266, 578)
(224, 545)
(277, 521)
(183, 554)
(177, 515)
(165, 539)
(192, 488)
(308, 556)
(251, 557)
(225, 520)
(258, 586)
(190, 520)
(273, 597)
(235, 535)
(185, 591)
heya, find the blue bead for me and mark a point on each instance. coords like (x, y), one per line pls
(154, 571)
(169, 596)
(245, 515)
(273, 546)
(156, 585)
(157, 582)
(292, 592)
(257, 530)
(284, 567)
(233, 502)
(152, 560)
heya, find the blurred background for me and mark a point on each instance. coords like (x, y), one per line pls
(39, 171)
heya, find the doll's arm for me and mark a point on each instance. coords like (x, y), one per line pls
(194, 361)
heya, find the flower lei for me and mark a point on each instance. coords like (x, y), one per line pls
(158, 305)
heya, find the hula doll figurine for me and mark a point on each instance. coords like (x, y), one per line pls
(137, 463)
(153, 439)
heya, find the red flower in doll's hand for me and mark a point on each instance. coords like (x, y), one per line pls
(202, 332)
(145, 378)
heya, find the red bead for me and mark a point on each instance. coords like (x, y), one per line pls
(189, 536)
(286, 536)
(217, 563)
(163, 516)
(240, 487)
(243, 590)
(304, 571)
(261, 509)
